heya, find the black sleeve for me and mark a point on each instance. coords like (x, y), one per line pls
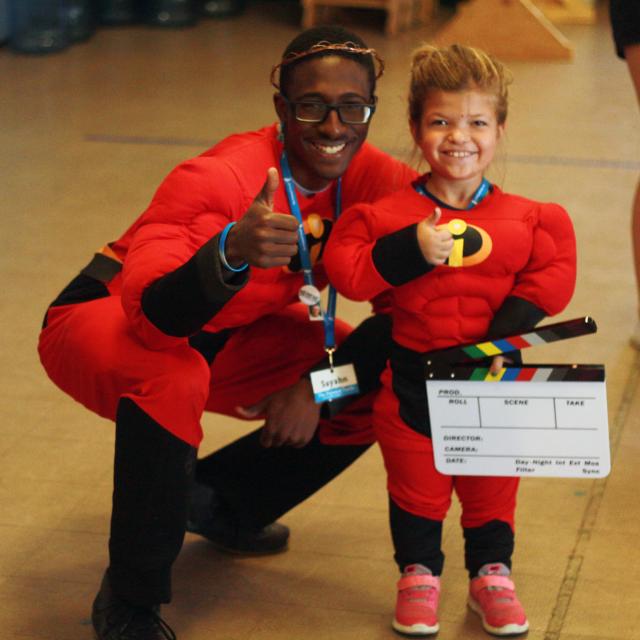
(398, 258)
(514, 316)
(367, 347)
(181, 302)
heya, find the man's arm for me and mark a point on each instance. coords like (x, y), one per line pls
(367, 348)
(170, 289)
(182, 301)
(292, 415)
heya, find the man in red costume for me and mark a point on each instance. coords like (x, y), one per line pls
(169, 321)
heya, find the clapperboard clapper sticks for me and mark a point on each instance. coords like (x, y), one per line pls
(528, 420)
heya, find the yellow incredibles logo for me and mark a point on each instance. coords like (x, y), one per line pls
(471, 245)
(317, 230)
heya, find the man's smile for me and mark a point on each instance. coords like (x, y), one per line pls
(329, 149)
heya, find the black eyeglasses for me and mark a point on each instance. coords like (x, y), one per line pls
(317, 112)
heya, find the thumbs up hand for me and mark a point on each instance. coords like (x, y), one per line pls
(263, 237)
(435, 244)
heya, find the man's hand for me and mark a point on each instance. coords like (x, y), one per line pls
(291, 416)
(435, 244)
(262, 237)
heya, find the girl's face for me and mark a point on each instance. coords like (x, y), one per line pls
(320, 152)
(458, 134)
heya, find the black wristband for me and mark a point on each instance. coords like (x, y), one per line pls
(398, 258)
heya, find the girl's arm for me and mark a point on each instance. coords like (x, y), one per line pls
(367, 254)
(546, 284)
(549, 278)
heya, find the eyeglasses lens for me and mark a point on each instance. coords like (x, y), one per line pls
(317, 112)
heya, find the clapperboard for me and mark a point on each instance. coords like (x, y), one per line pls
(528, 420)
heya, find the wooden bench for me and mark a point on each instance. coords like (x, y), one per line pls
(401, 14)
(509, 29)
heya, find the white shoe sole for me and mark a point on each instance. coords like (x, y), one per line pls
(506, 630)
(415, 629)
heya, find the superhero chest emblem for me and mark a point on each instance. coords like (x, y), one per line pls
(317, 230)
(471, 244)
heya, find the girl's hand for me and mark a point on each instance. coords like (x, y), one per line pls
(435, 244)
(496, 365)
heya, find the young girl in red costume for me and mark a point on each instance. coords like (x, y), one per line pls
(464, 262)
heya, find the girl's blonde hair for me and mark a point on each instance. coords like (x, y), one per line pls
(456, 68)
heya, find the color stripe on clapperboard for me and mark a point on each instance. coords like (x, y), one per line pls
(531, 373)
(542, 335)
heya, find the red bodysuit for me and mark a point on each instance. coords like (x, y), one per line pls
(131, 338)
(506, 249)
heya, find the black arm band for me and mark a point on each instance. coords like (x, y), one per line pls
(183, 301)
(398, 258)
(514, 316)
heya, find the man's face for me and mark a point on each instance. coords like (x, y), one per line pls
(321, 152)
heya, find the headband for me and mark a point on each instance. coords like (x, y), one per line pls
(321, 47)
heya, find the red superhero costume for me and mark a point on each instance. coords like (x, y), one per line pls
(154, 331)
(133, 339)
(513, 262)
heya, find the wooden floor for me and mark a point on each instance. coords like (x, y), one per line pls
(86, 136)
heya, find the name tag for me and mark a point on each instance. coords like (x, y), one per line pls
(337, 383)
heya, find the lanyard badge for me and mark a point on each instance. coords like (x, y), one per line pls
(310, 296)
(334, 382)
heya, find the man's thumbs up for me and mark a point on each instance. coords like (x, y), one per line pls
(269, 188)
(263, 237)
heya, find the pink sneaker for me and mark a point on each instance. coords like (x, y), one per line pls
(417, 603)
(494, 598)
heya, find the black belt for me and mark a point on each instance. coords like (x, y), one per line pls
(90, 283)
(408, 381)
(102, 268)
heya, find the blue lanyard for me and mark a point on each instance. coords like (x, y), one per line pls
(478, 196)
(329, 316)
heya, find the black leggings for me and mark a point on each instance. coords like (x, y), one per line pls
(153, 471)
(418, 540)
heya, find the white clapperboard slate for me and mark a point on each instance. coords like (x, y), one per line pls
(528, 420)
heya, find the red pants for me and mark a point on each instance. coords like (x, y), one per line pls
(417, 487)
(90, 352)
